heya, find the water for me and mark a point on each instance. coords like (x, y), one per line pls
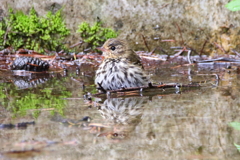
(164, 124)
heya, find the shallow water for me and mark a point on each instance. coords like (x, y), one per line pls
(164, 124)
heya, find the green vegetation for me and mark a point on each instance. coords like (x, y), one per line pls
(234, 5)
(34, 100)
(238, 146)
(37, 33)
(33, 32)
(236, 125)
(95, 35)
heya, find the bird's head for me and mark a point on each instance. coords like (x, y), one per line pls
(115, 48)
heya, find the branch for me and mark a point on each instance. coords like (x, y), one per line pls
(150, 86)
(179, 30)
(144, 40)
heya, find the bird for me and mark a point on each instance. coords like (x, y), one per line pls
(121, 67)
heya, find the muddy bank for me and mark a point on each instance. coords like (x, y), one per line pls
(156, 20)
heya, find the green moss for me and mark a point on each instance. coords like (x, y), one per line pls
(234, 5)
(95, 35)
(32, 31)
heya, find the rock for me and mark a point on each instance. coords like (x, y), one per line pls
(29, 64)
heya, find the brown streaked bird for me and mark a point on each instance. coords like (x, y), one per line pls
(121, 67)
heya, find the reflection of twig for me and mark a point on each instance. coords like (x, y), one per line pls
(216, 77)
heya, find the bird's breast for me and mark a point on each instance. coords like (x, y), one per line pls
(119, 73)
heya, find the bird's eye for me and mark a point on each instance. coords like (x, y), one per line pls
(113, 48)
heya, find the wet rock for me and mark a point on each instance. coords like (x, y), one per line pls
(23, 82)
(29, 64)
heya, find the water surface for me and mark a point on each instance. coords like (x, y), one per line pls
(164, 124)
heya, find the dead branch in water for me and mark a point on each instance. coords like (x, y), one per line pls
(150, 86)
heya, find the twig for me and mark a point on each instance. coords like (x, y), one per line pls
(200, 53)
(179, 30)
(60, 51)
(220, 47)
(168, 40)
(188, 56)
(152, 51)
(176, 47)
(53, 58)
(6, 33)
(190, 48)
(163, 6)
(180, 52)
(76, 44)
(150, 86)
(163, 51)
(87, 49)
(144, 40)
(237, 53)
(153, 58)
(224, 59)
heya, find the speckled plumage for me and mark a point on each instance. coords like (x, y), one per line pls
(121, 67)
(122, 110)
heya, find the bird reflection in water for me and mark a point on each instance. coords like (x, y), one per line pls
(121, 116)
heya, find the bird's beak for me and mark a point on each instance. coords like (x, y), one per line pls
(101, 49)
